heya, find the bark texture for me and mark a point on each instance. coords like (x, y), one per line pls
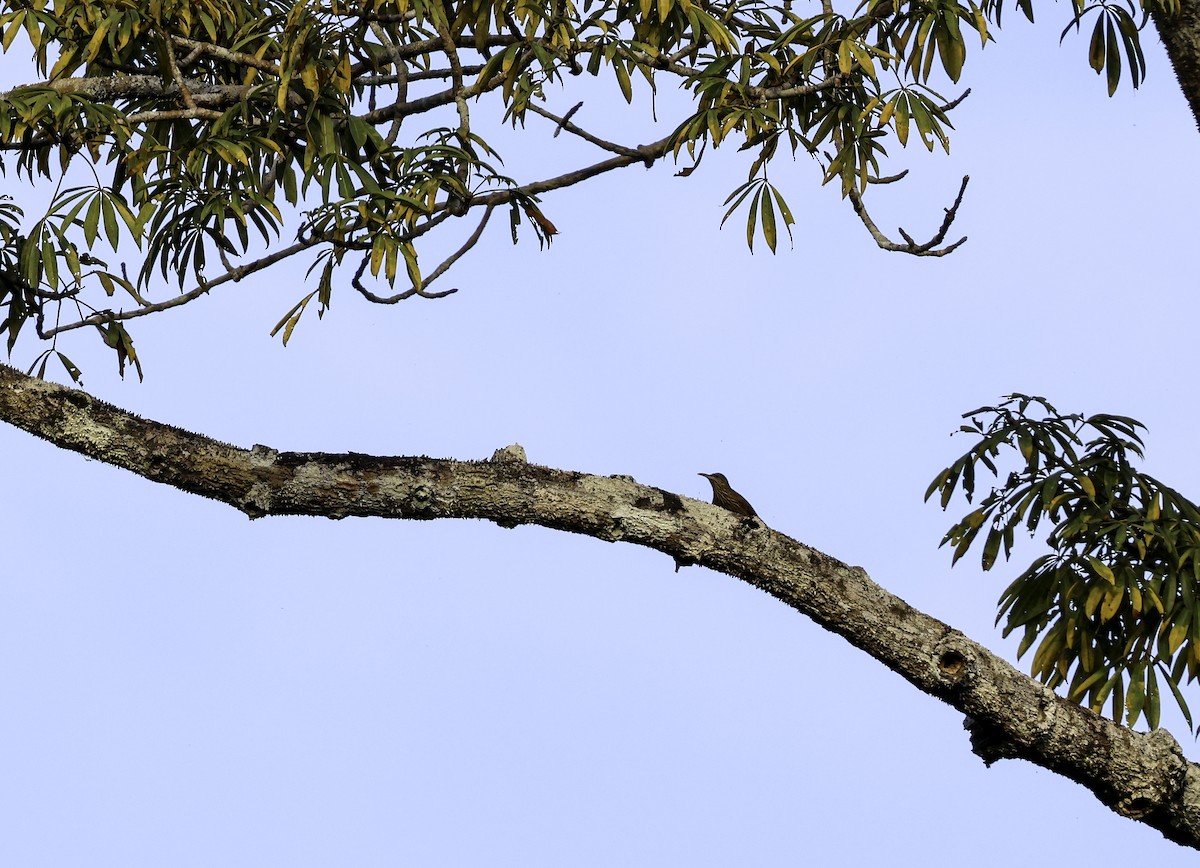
(1141, 776)
(1180, 34)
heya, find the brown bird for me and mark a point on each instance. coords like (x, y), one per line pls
(726, 497)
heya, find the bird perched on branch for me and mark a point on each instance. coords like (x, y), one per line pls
(726, 497)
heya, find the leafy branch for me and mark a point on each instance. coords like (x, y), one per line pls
(1115, 601)
(216, 128)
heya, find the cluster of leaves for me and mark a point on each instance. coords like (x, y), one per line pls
(207, 125)
(1116, 602)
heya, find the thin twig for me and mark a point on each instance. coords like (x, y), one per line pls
(471, 241)
(564, 123)
(566, 118)
(644, 153)
(177, 76)
(401, 79)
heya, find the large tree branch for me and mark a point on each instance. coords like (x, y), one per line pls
(110, 89)
(1141, 776)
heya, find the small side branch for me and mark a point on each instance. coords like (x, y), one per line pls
(564, 123)
(930, 247)
(421, 290)
(238, 57)
(645, 154)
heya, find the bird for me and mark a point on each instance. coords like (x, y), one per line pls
(726, 497)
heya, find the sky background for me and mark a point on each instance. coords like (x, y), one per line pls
(184, 687)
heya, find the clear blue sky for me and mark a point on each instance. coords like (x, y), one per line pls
(183, 687)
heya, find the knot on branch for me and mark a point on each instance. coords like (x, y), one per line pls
(257, 502)
(989, 742)
(422, 496)
(512, 454)
(264, 452)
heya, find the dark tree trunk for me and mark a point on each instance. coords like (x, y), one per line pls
(1180, 34)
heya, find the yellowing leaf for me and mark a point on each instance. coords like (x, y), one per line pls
(1176, 636)
(1102, 569)
(1112, 602)
(845, 63)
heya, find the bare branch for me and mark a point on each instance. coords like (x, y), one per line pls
(954, 102)
(420, 75)
(422, 47)
(221, 53)
(564, 123)
(177, 76)
(571, 111)
(887, 179)
(140, 87)
(457, 255)
(421, 291)
(460, 99)
(929, 248)
(644, 153)
(794, 90)
(174, 114)
(31, 145)
(401, 79)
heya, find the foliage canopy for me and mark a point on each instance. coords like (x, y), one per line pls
(252, 131)
(1116, 602)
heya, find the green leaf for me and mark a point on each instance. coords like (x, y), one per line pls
(410, 262)
(863, 56)
(111, 231)
(1103, 693)
(1077, 692)
(990, 549)
(951, 48)
(752, 218)
(1113, 56)
(784, 211)
(1153, 700)
(1112, 602)
(70, 367)
(1135, 699)
(1175, 636)
(1102, 569)
(768, 222)
(1133, 46)
(292, 317)
(623, 80)
(939, 481)
(14, 27)
(845, 60)
(49, 262)
(1180, 701)
(92, 49)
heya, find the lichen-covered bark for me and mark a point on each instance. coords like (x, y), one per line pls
(1141, 776)
(1180, 34)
